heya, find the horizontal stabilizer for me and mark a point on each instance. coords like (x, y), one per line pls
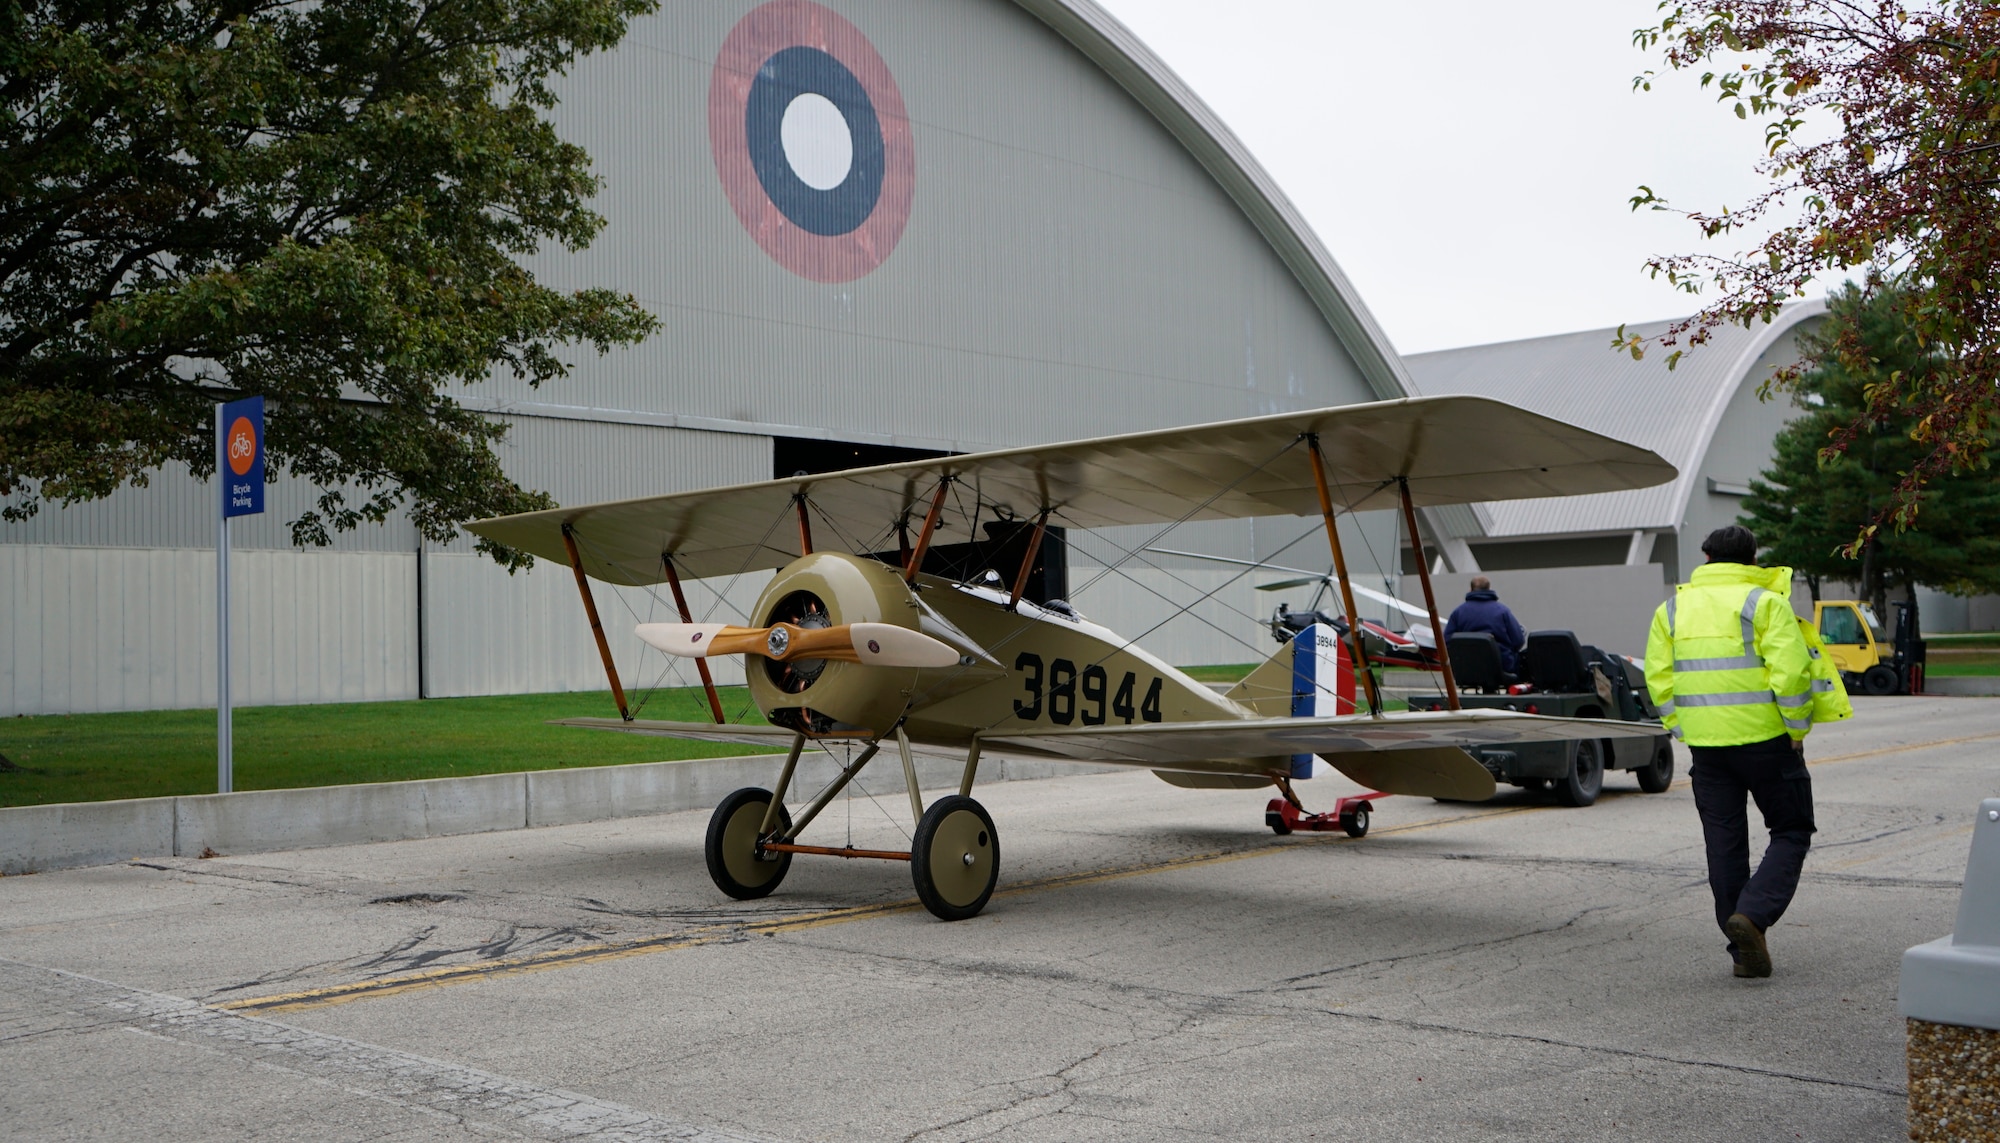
(1434, 772)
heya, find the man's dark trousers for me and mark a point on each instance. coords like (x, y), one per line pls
(1774, 775)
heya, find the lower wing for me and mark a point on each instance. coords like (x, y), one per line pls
(1422, 752)
(736, 734)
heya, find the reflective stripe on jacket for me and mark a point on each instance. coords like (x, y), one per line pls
(1829, 702)
(1725, 660)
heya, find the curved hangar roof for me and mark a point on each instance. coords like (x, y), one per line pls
(1113, 47)
(1579, 378)
(1043, 233)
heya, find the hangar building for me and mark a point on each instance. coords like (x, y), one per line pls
(1601, 564)
(866, 226)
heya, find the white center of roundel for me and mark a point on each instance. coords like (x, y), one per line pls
(817, 142)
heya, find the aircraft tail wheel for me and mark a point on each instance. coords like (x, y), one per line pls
(955, 858)
(733, 862)
(1355, 821)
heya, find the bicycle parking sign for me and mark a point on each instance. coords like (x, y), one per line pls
(241, 451)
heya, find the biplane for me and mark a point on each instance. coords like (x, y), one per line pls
(862, 643)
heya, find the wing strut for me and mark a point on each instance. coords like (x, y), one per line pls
(1028, 561)
(701, 665)
(1430, 600)
(596, 627)
(805, 525)
(916, 563)
(1340, 568)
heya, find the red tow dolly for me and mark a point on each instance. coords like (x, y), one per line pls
(1350, 814)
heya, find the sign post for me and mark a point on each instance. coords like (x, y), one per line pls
(239, 474)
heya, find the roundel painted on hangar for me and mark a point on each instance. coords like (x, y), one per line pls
(811, 140)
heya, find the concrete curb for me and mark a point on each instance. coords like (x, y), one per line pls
(69, 835)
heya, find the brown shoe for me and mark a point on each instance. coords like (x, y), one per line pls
(1753, 959)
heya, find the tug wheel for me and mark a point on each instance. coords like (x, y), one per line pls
(1275, 819)
(733, 861)
(1355, 821)
(1585, 779)
(955, 858)
(1657, 775)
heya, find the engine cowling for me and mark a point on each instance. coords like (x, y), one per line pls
(826, 696)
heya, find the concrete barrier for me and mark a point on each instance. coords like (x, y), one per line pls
(1950, 995)
(68, 834)
(256, 821)
(73, 834)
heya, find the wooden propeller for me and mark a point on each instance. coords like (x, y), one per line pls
(870, 644)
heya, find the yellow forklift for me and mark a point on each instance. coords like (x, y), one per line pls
(1868, 663)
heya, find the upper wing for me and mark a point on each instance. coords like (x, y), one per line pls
(1451, 450)
(1192, 745)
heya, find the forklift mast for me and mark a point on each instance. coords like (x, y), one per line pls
(1909, 648)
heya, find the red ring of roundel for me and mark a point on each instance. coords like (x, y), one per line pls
(767, 30)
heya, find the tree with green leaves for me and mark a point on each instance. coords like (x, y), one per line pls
(324, 202)
(1882, 130)
(1814, 500)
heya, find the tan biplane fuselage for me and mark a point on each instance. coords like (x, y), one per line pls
(1021, 667)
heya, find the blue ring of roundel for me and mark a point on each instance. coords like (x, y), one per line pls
(784, 77)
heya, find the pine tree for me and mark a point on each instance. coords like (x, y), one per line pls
(1810, 505)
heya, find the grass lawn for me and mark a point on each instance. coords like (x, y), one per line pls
(1967, 640)
(1948, 668)
(144, 754)
(1223, 673)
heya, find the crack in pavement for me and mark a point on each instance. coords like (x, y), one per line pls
(1607, 1050)
(422, 1085)
(1296, 983)
(1261, 1002)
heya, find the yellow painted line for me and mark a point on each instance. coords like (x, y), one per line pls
(1901, 749)
(712, 934)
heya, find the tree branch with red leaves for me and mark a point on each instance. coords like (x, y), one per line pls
(1882, 134)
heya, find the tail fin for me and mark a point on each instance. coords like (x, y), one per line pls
(1307, 677)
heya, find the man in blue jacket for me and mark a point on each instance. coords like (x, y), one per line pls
(1483, 611)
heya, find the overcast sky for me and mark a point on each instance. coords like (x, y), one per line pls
(1467, 163)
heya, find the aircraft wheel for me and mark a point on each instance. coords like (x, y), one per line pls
(733, 862)
(1585, 779)
(955, 858)
(1657, 775)
(1355, 821)
(1879, 679)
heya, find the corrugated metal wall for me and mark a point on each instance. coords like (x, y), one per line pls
(491, 633)
(96, 629)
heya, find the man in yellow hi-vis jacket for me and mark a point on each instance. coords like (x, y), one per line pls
(1733, 677)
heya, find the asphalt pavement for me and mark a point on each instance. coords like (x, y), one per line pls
(1156, 965)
